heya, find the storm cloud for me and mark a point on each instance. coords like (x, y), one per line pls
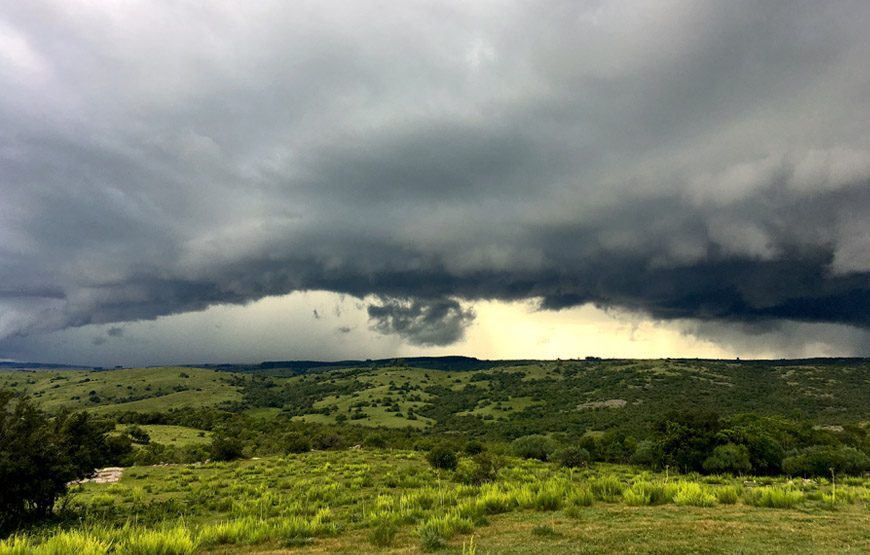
(441, 322)
(688, 160)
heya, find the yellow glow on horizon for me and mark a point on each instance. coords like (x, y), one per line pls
(511, 330)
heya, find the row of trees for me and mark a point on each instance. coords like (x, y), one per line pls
(704, 442)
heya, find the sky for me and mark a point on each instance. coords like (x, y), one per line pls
(192, 181)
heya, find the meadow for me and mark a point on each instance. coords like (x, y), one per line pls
(375, 500)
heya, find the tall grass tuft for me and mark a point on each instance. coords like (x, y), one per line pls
(607, 488)
(383, 534)
(727, 495)
(435, 532)
(170, 541)
(694, 494)
(16, 545)
(773, 497)
(63, 543)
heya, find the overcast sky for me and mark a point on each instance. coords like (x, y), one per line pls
(208, 181)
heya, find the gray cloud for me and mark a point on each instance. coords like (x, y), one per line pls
(692, 160)
(427, 323)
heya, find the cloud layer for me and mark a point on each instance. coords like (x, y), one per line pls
(691, 160)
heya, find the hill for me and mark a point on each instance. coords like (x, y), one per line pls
(500, 397)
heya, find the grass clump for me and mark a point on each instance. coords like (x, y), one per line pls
(694, 494)
(170, 541)
(545, 531)
(383, 534)
(63, 543)
(607, 488)
(727, 495)
(645, 492)
(774, 497)
(435, 531)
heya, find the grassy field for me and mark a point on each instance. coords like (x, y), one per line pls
(135, 389)
(372, 501)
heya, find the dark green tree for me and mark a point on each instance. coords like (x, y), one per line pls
(40, 455)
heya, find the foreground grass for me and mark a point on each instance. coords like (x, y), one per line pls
(361, 501)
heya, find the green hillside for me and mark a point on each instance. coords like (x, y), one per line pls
(561, 395)
(543, 396)
(135, 389)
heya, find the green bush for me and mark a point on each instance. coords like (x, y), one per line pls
(479, 470)
(533, 446)
(818, 460)
(729, 459)
(296, 442)
(443, 456)
(572, 457)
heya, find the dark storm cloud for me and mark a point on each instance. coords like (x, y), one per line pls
(439, 322)
(699, 160)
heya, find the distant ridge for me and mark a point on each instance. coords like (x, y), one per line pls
(454, 363)
(39, 366)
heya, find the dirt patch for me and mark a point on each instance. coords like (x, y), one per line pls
(608, 404)
(108, 475)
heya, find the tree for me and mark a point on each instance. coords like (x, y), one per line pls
(572, 457)
(818, 460)
(40, 455)
(534, 446)
(443, 456)
(729, 458)
(687, 438)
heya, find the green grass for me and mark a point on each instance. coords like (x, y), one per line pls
(359, 501)
(134, 389)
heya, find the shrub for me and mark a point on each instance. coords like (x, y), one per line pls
(819, 459)
(572, 457)
(474, 447)
(533, 446)
(729, 458)
(694, 494)
(442, 456)
(481, 469)
(375, 441)
(294, 442)
(225, 448)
